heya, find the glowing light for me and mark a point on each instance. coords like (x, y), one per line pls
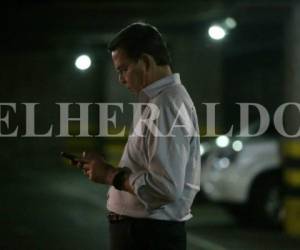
(202, 150)
(222, 141)
(230, 23)
(216, 32)
(83, 62)
(237, 145)
(224, 162)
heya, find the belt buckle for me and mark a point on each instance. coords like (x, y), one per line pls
(113, 217)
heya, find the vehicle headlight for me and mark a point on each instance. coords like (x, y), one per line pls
(202, 150)
(237, 145)
(222, 141)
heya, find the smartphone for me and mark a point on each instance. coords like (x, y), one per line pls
(69, 156)
(74, 159)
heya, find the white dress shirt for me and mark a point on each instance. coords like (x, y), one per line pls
(163, 155)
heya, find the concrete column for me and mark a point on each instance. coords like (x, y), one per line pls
(291, 146)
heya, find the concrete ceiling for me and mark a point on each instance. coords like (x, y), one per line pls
(45, 23)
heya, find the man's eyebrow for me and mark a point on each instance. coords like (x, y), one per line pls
(120, 67)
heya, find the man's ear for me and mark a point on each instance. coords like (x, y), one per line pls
(147, 60)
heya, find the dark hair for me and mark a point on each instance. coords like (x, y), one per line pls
(139, 38)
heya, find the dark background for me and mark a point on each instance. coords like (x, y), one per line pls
(40, 41)
(43, 203)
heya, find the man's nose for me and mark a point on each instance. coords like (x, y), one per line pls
(122, 79)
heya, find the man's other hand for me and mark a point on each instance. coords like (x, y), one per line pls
(97, 169)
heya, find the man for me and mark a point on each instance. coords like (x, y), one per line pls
(159, 173)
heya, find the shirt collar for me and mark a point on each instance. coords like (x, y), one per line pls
(156, 87)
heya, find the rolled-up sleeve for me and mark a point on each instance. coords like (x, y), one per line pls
(162, 180)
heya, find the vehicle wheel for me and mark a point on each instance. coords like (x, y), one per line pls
(265, 203)
(240, 214)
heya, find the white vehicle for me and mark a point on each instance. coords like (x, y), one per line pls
(245, 175)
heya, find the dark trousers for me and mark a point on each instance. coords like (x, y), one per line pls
(146, 234)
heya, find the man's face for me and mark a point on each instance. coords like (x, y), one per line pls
(131, 73)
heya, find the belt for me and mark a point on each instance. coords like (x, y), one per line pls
(113, 217)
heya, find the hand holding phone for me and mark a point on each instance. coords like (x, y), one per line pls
(75, 160)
